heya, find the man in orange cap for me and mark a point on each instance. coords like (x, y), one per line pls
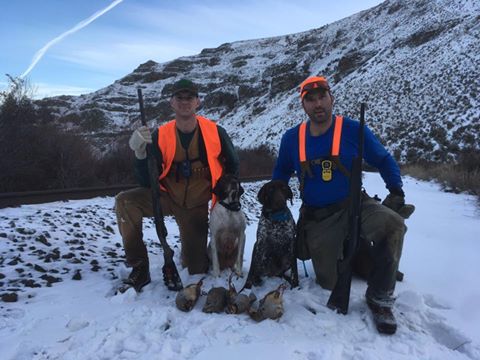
(321, 152)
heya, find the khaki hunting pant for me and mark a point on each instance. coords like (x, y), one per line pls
(133, 205)
(380, 249)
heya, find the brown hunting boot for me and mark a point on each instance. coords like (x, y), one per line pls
(383, 318)
(138, 278)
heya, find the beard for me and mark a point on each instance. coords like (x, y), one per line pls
(321, 116)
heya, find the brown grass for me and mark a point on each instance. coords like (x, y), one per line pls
(462, 176)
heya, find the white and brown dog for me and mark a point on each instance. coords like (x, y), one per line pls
(227, 227)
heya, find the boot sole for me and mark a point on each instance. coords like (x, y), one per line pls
(388, 329)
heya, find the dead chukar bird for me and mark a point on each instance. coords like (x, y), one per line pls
(271, 306)
(238, 303)
(216, 300)
(188, 296)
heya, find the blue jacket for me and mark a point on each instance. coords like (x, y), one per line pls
(319, 193)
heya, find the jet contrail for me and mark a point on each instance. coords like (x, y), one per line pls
(77, 27)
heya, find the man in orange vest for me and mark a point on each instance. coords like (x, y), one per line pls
(321, 152)
(192, 153)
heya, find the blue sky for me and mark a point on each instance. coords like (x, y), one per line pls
(135, 31)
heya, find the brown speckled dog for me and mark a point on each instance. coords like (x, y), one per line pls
(273, 252)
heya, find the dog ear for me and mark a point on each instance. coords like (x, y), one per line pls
(217, 190)
(262, 194)
(288, 192)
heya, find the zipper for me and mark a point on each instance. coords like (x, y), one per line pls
(187, 183)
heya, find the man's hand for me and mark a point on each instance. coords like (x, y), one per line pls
(139, 140)
(396, 201)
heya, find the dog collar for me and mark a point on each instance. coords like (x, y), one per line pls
(235, 206)
(281, 215)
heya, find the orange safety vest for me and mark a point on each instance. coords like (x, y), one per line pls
(337, 135)
(209, 131)
(302, 150)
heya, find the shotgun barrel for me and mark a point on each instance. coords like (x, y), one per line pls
(171, 277)
(340, 296)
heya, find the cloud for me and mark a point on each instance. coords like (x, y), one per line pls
(39, 54)
(163, 34)
(124, 55)
(43, 90)
(228, 22)
(231, 21)
(162, 31)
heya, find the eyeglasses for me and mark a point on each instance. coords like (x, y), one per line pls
(185, 97)
(314, 83)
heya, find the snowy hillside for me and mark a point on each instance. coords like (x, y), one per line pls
(415, 62)
(64, 259)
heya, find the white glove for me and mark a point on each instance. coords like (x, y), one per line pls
(139, 140)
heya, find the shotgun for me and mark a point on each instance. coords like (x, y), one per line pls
(171, 278)
(340, 296)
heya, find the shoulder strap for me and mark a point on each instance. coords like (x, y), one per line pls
(337, 135)
(334, 153)
(302, 151)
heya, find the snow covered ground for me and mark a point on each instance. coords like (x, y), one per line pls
(44, 247)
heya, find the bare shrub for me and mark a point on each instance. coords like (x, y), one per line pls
(116, 167)
(35, 155)
(257, 161)
(67, 160)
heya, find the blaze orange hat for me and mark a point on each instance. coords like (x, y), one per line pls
(313, 82)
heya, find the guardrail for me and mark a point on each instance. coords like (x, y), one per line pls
(45, 196)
